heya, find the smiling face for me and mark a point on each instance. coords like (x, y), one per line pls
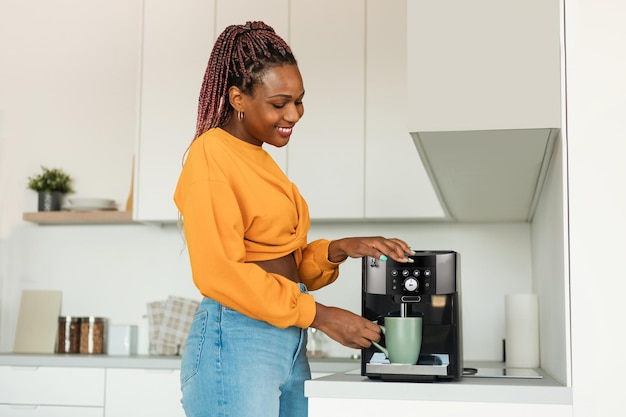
(271, 112)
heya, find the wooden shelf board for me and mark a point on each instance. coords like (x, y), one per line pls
(80, 217)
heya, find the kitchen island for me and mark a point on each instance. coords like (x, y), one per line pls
(349, 393)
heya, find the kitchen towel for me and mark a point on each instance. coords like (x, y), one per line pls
(169, 322)
(521, 314)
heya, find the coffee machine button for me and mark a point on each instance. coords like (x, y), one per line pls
(411, 284)
(405, 273)
(394, 272)
(416, 273)
(427, 272)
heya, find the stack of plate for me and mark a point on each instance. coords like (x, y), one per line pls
(89, 204)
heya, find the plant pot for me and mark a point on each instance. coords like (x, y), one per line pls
(50, 200)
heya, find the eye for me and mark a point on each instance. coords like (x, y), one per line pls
(278, 106)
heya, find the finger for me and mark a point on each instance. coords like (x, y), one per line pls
(372, 334)
(402, 248)
(396, 249)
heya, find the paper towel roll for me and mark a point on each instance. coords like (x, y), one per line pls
(521, 315)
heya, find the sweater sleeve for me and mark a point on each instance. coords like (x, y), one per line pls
(316, 271)
(214, 231)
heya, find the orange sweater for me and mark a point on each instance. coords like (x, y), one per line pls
(238, 206)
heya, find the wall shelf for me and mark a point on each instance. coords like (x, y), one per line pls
(79, 217)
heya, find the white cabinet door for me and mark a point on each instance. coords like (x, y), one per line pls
(34, 385)
(49, 411)
(326, 151)
(273, 12)
(337, 407)
(143, 392)
(178, 37)
(483, 64)
(396, 184)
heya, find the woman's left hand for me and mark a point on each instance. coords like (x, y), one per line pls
(374, 246)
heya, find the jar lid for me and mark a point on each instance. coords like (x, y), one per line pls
(69, 319)
(92, 319)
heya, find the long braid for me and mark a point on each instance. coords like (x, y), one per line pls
(240, 57)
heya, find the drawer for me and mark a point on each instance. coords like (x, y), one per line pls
(159, 394)
(49, 411)
(39, 385)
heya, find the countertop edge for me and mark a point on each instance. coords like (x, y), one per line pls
(141, 361)
(351, 385)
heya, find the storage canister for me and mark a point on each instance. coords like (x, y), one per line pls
(68, 336)
(92, 334)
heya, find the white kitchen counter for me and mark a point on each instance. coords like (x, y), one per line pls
(351, 385)
(321, 365)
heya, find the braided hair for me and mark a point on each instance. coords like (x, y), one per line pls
(241, 56)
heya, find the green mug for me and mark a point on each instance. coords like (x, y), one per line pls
(403, 337)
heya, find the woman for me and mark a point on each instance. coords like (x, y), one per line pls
(246, 228)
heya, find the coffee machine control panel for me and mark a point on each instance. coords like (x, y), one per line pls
(409, 280)
(430, 273)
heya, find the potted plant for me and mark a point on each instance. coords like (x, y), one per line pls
(51, 185)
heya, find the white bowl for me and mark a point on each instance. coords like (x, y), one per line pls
(91, 202)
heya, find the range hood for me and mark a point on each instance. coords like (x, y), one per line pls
(487, 175)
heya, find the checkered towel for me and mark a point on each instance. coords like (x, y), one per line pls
(169, 323)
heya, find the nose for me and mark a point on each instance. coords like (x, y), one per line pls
(294, 113)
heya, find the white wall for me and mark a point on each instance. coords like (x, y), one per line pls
(551, 270)
(596, 104)
(113, 271)
(69, 99)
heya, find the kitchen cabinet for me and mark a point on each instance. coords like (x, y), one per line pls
(51, 391)
(48, 411)
(485, 102)
(335, 394)
(339, 407)
(351, 155)
(159, 394)
(103, 385)
(177, 41)
(396, 184)
(483, 65)
(326, 152)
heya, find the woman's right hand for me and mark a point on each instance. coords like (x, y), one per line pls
(345, 327)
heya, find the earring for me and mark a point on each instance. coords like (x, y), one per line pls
(240, 115)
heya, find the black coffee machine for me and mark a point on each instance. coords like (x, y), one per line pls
(428, 287)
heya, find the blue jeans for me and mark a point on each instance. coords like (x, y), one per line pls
(236, 366)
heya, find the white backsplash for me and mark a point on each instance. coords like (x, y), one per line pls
(114, 271)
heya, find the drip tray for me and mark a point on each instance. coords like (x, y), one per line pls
(399, 369)
(427, 365)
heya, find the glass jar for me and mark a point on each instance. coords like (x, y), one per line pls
(316, 344)
(92, 334)
(68, 336)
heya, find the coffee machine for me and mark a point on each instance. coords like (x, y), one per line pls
(428, 287)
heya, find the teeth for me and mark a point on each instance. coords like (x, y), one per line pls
(284, 129)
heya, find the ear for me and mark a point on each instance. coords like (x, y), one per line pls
(235, 96)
